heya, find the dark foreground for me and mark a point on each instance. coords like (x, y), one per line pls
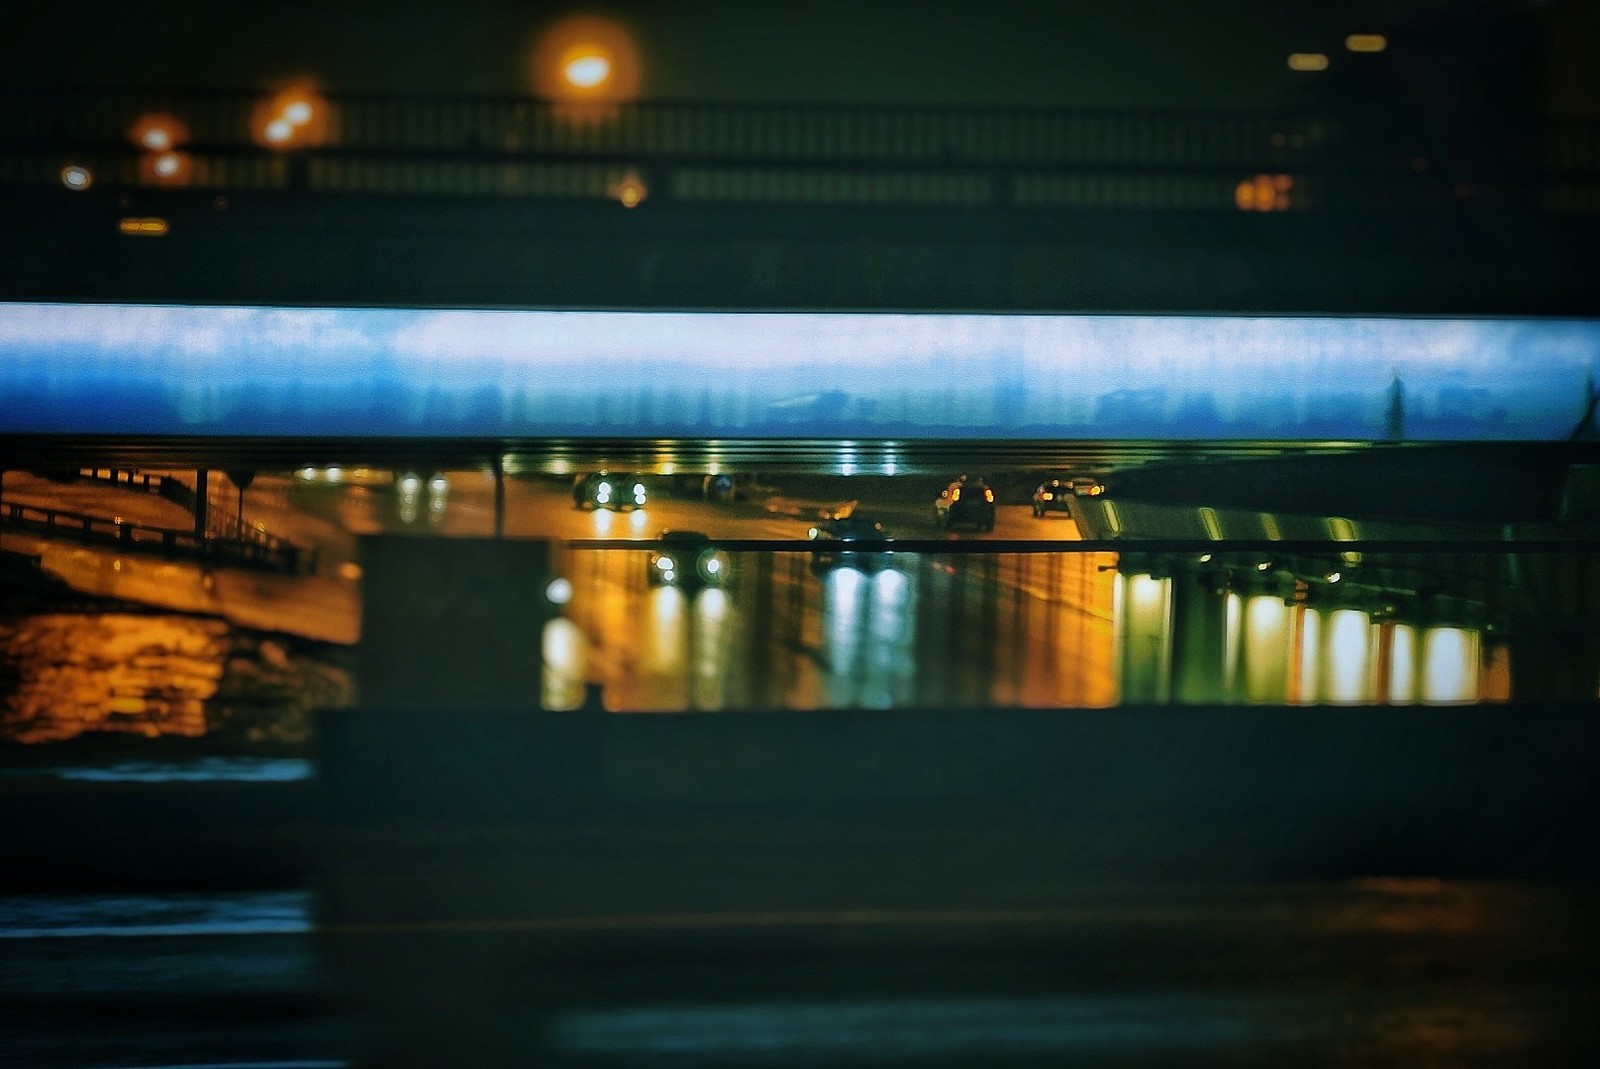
(1347, 887)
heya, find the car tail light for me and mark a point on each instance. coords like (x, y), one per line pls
(955, 495)
(988, 495)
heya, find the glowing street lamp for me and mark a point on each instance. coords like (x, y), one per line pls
(76, 177)
(586, 66)
(587, 70)
(292, 118)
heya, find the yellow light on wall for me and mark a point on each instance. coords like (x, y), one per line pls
(1366, 42)
(1308, 61)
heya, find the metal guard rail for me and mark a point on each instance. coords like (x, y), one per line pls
(264, 551)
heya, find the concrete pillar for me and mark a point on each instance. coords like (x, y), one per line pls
(1199, 639)
(453, 623)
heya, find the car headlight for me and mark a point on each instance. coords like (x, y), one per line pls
(638, 493)
(713, 565)
(665, 563)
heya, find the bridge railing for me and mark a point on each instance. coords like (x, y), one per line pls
(262, 551)
(822, 154)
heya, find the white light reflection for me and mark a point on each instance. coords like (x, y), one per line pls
(603, 519)
(710, 649)
(1402, 664)
(564, 664)
(667, 639)
(1348, 669)
(408, 503)
(1449, 665)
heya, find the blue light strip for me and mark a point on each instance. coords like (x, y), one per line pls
(166, 369)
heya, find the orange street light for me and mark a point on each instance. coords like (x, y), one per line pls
(294, 117)
(585, 66)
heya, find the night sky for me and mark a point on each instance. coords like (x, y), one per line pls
(1054, 53)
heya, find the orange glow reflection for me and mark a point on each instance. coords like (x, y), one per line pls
(166, 168)
(158, 132)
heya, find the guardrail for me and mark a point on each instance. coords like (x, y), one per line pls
(174, 490)
(263, 551)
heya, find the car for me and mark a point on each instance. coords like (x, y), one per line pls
(608, 490)
(1053, 495)
(1086, 486)
(687, 559)
(842, 539)
(967, 502)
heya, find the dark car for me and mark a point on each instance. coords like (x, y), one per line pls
(967, 502)
(688, 559)
(1054, 495)
(608, 490)
(854, 539)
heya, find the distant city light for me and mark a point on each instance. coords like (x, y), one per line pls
(631, 193)
(76, 178)
(167, 165)
(1366, 42)
(1308, 61)
(1264, 193)
(298, 112)
(559, 591)
(586, 71)
(278, 131)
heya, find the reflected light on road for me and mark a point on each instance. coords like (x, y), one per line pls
(603, 519)
(665, 648)
(563, 645)
(710, 649)
(1449, 665)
